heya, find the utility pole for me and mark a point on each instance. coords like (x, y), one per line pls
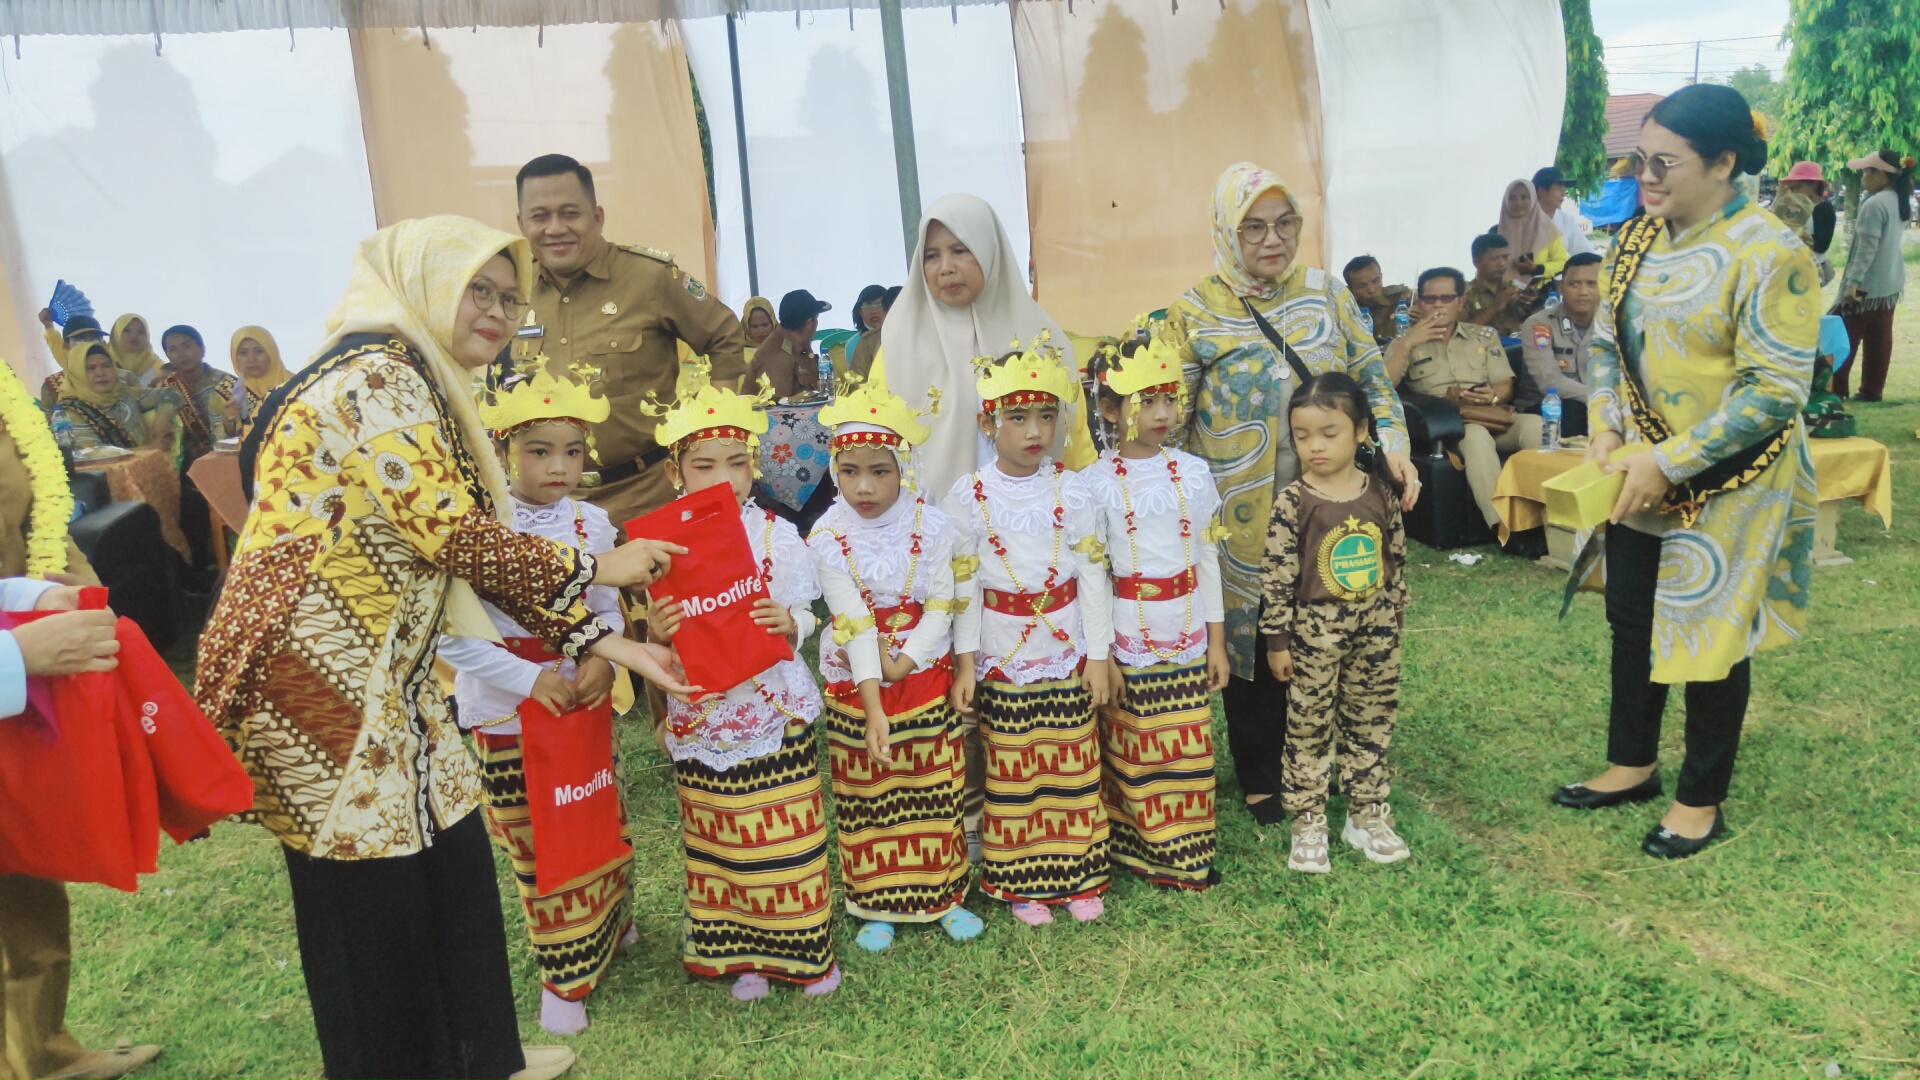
(905, 161)
(740, 134)
(1696, 63)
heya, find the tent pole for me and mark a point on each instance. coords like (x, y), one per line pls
(905, 161)
(740, 134)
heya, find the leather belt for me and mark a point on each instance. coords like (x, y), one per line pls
(613, 474)
(1163, 588)
(1029, 604)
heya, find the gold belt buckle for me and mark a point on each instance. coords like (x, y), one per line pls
(590, 479)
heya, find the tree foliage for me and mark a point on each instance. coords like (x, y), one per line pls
(1582, 155)
(1761, 90)
(1852, 82)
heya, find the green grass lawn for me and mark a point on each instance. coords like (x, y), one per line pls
(1519, 939)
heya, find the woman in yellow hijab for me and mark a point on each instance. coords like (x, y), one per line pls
(131, 345)
(379, 511)
(758, 320)
(256, 359)
(109, 407)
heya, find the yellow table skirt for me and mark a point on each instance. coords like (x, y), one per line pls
(1856, 468)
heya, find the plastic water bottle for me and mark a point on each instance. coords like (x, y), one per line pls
(825, 369)
(1553, 295)
(1550, 422)
(1401, 320)
(63, 429)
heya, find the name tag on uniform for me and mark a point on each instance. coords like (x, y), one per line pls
(530, 332)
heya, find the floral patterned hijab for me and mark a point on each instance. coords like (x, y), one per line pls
(1234, 194)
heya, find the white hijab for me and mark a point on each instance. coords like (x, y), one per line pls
(929, 344)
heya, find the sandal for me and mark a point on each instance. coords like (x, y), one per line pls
(875, 936)
(961, 924)
(1033, 914)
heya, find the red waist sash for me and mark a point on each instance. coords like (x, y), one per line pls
(1162, 588)
(1027, 605)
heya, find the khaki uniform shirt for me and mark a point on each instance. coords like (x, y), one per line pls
(1472, 355)
(626, 313)
(787, 362)
(1556, 353)
(1479, 298)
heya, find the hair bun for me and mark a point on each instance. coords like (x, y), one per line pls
(1759, 124)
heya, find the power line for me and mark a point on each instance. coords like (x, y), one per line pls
(1702, 41)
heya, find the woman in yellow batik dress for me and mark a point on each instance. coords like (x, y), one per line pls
(1239, 383)
(1702, 360)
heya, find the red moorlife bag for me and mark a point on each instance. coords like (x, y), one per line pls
(717, 583)
(572, 798)
(198, 779)
(78, 805)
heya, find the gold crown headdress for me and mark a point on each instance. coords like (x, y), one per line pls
(865, 412)
(705, 411)
(1154, 367)
(1028, 376)
(537, 397)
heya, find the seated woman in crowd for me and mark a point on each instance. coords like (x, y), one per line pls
(109, 407)
(132, 346)
(204, 391)
(256, 358)
(861, 352)
(1536, 241)
(77, 330)
(758, 319)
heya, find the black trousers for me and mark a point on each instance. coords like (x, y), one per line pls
(1256, 726)
(1715, 710)
(406, 960)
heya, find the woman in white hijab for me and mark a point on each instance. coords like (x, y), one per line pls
(968, 298)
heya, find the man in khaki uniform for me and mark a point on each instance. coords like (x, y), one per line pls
(1466, 365)
(623, 310)
(1554, 340)
(1493, 298)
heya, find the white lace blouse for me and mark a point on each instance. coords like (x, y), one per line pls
(748, 720)
(489, 683)
(1022, 513)
(883, 557)
(1177, 627)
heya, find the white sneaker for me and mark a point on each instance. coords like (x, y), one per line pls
(1370, 829)
(545, 1063)
(1309, 854)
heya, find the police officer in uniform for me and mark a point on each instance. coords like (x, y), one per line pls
(1554, 340)
(623, 311)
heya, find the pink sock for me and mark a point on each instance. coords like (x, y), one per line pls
(1033, 914)
(825, 986)
(1087, 908)
(751, 987)
(560, 1016)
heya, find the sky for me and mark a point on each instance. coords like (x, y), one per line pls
(1650, 44)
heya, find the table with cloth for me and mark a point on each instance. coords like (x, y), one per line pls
(217, 475)
(1856, 468)
(793, 453)
(147, 476)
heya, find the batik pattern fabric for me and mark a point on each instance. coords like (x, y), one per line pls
(1045, 835)
(1157, 774)
(1240, 386)
(903, 851)
(757, 885)
(1723, 321)
(316, 664)
(122, 423)
(576, 929)
(749, 720)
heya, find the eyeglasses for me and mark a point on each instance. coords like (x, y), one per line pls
(1656, 165)
(1447, 299)
(1255, 232)
(512, 305)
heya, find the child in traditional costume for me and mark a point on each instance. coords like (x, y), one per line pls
(885, 560)
(541, 427)
(1155, 510)
(1031, 644)
(752, 811)
(1335, 598)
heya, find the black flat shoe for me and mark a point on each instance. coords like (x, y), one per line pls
(1664, 843)
(1268, 811)
(1582, 797)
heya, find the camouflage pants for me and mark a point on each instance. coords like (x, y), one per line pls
(1345, 691)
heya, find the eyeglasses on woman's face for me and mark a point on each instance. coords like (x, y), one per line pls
(1287, 227)
(486, 295)
(1658, 165)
